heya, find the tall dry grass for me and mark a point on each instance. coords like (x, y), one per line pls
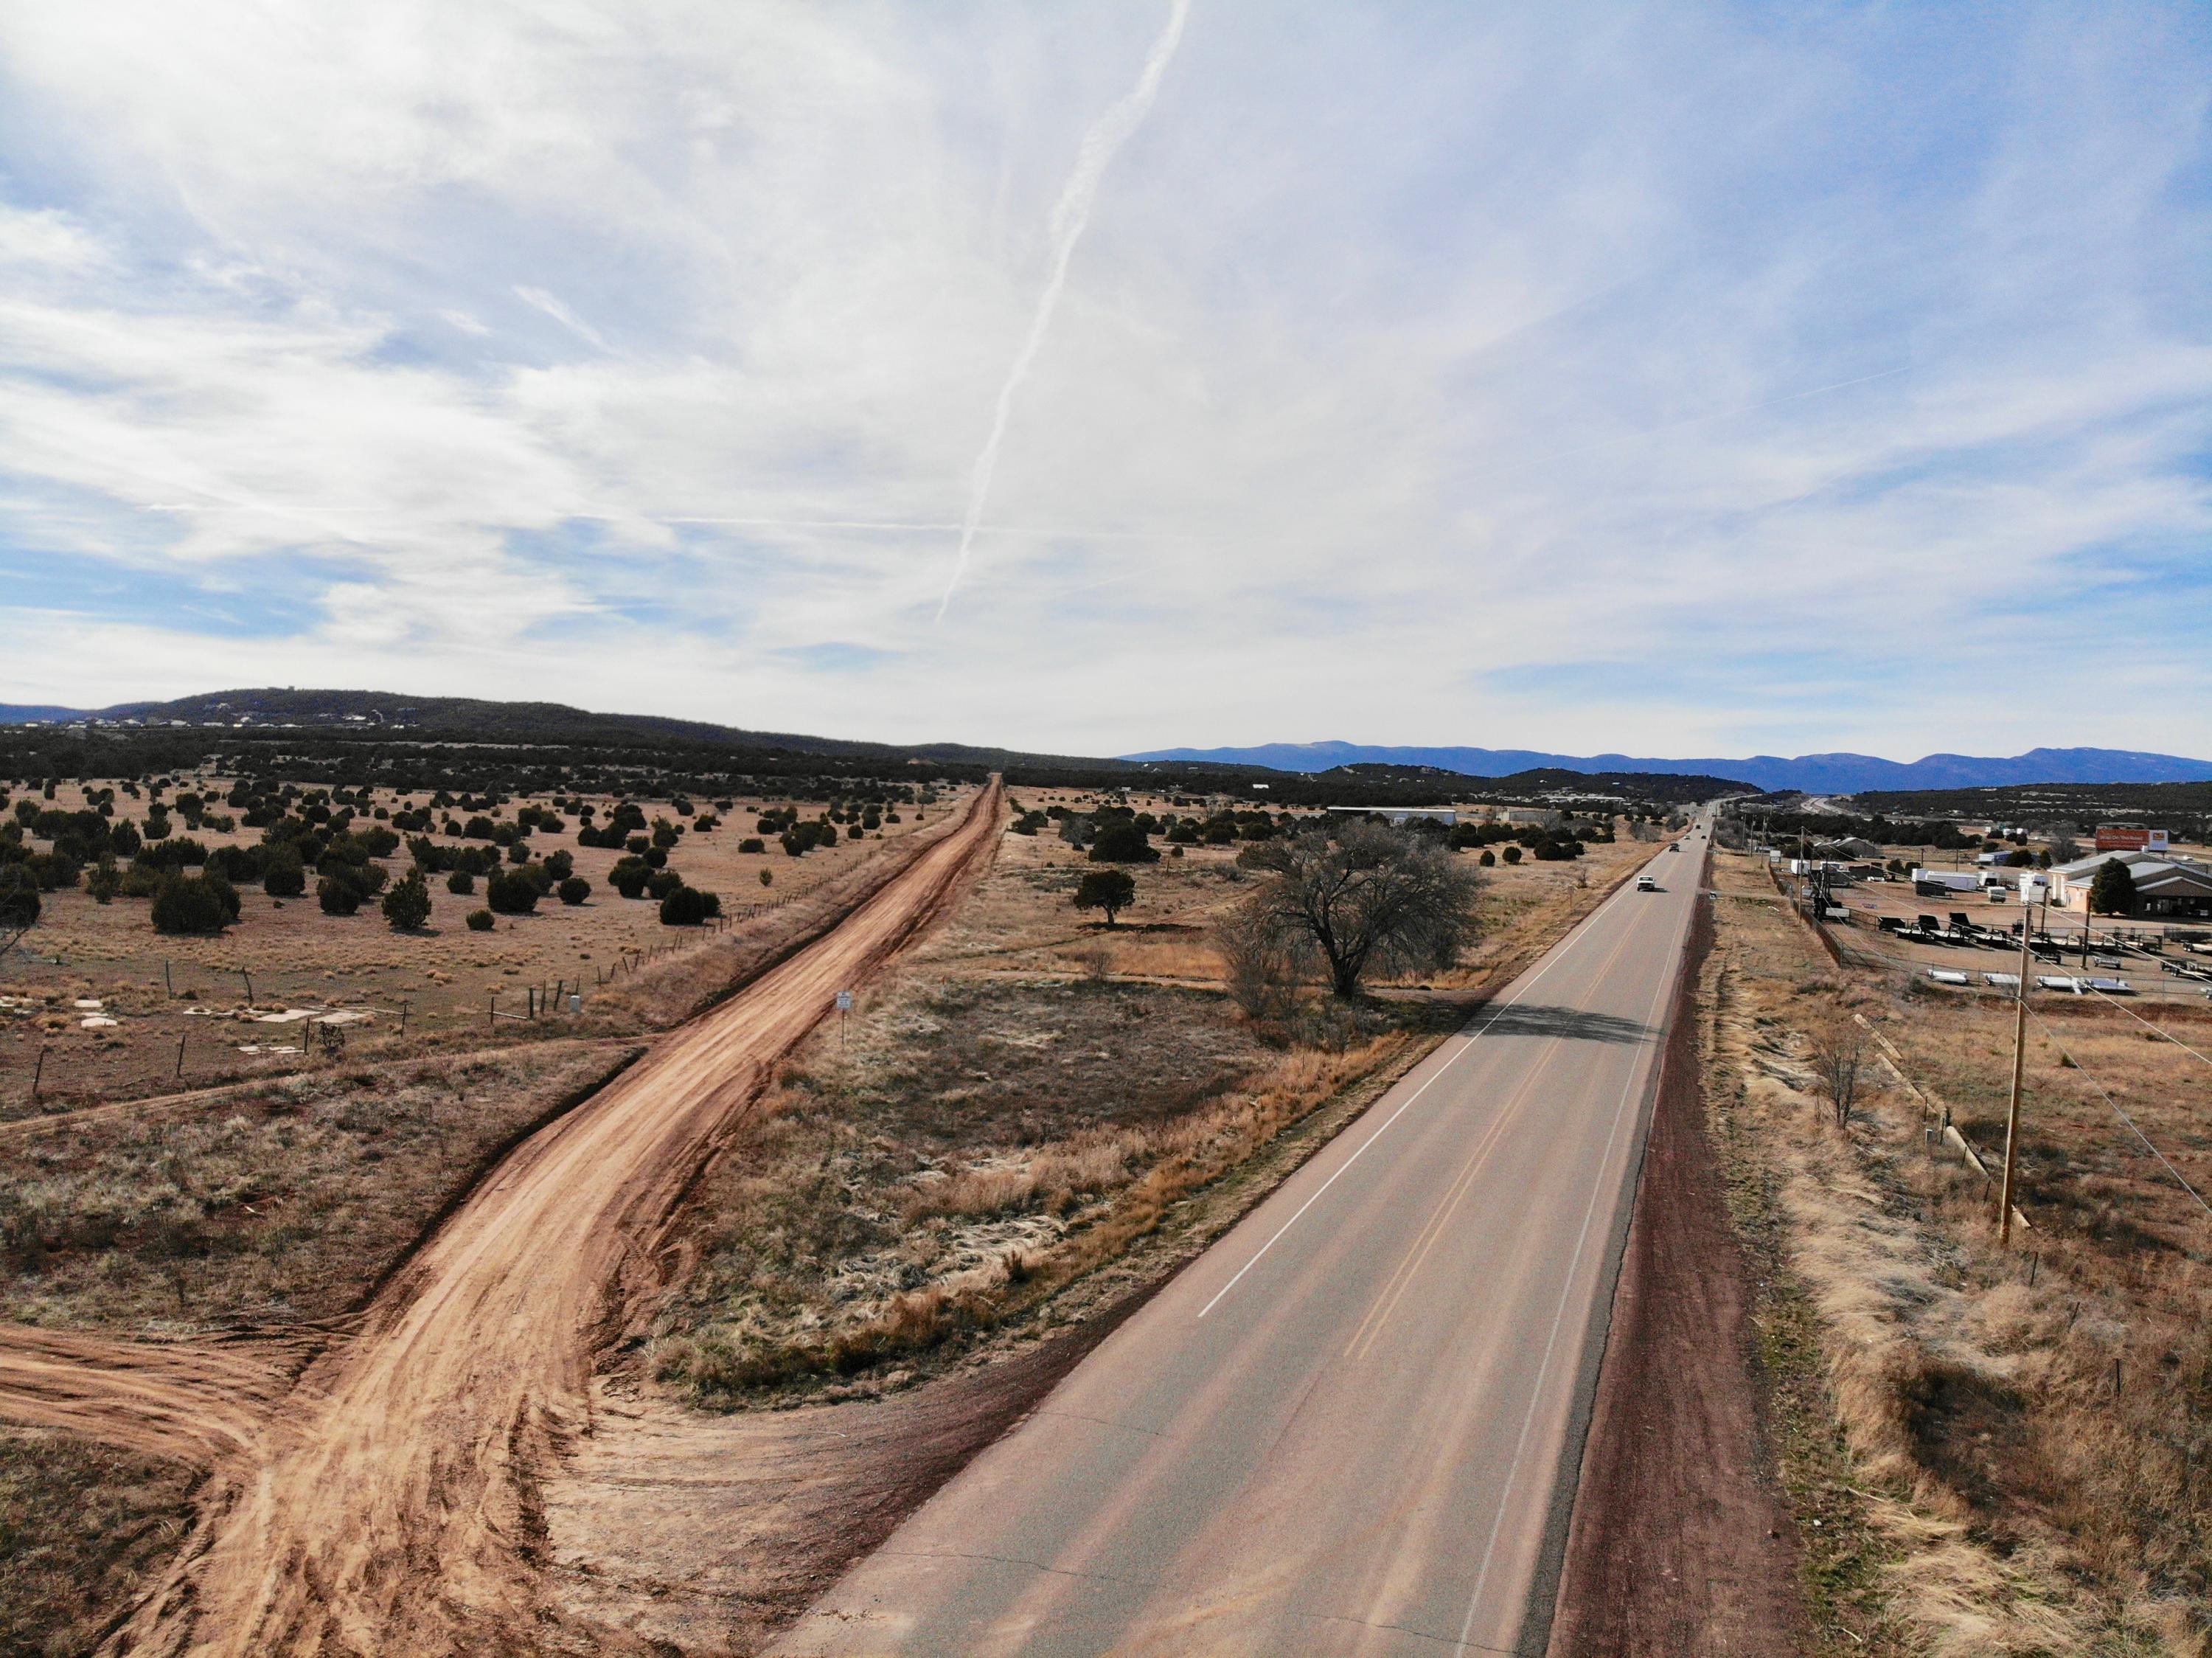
(2024, 1495)
(881, 1216)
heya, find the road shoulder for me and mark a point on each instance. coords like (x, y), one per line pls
(1681, 1540)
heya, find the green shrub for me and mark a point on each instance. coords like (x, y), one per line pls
(283, 875)
(195, 904)
(683, 907)
(20, 902)
(1121, 841)
(480, 921)
(337, 895)
(575, 890)
(461, 881)
(407, 905)
(512, 892)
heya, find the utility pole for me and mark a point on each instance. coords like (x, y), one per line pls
(2012, 1110)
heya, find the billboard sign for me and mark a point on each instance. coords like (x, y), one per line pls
(2128, 838)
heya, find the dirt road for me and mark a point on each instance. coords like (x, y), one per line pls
(1353, 1425)
(392, 1509)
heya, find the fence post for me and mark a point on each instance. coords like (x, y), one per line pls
(180, 1055)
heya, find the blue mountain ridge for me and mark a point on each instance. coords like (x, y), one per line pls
(1816, 774)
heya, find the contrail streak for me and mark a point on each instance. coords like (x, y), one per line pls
(1069, 215)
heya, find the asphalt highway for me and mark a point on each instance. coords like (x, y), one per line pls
(1352, 1426)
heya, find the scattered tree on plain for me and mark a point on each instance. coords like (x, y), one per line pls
(1110, 890)
(1371, 898)
(480, 921)
(575, 890)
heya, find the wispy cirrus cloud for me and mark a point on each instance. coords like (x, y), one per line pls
(1425, 374)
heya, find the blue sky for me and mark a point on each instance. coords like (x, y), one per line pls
(1663, 379)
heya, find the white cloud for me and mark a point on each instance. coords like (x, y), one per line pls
(1577, 379)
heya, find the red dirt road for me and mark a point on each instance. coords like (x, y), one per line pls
(393, 1508)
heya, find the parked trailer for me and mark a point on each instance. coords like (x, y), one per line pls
(2002, 981)
(2061, 982)
(1948, 976)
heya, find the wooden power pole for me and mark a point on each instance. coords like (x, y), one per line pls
(2019, 1067)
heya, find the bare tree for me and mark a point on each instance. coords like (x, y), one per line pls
(1838, 1045)
(1262, 966)
(1372, 898)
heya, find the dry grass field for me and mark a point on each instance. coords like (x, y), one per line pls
(1989, 1452)
(154, 992)
(271, 1204)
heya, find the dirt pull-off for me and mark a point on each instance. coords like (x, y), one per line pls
(392, 1509)
(196, 1404)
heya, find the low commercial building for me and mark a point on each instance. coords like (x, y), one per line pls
(2167, 886)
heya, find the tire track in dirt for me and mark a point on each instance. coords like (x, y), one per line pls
(395, 1510)
(196, 1403)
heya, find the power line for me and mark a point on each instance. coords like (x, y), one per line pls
(2148, 1026)
(2179, 1179)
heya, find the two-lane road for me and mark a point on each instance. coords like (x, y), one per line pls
(1347, 1426)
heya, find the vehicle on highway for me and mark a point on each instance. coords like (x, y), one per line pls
(1646, 884)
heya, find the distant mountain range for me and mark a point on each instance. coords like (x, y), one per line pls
(1816, 774)
(482, 721)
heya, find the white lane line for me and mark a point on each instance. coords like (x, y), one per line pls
(1558, 1318)
(1558, 955)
